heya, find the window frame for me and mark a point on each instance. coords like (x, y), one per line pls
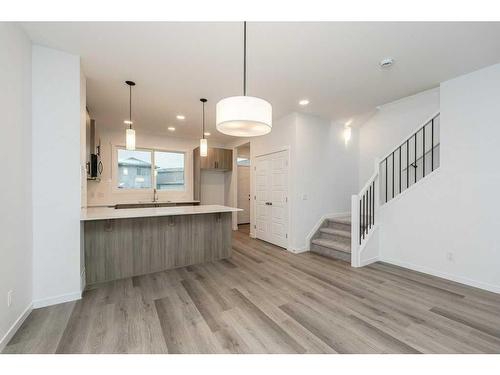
(152, 151)
(155, 175)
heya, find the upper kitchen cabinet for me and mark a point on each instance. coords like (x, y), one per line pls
(217, 159)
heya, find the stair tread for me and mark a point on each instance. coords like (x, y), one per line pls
(335, 232)
(341, 220)
(335, 245)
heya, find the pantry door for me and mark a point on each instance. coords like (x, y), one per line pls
(271, 198)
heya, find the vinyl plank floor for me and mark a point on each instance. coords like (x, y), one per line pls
(266, 300)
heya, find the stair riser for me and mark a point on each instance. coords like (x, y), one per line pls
(339, 226)
(331, 253)
(334, 237)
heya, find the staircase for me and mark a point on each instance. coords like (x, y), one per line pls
(333, 239)
(355, 239)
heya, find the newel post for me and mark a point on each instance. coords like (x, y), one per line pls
(355, 231)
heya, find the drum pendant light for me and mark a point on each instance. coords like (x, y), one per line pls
(130, 133)
(203, 141)
(244, 116)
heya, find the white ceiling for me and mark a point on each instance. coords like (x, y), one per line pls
(334, 65)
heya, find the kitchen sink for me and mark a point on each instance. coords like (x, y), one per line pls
(153, 204)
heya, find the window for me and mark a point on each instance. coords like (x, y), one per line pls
(169, 170)
(135, 170)
(243, 161)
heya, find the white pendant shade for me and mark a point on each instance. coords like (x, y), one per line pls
(130, 139)
(244, 116)
(203, 147)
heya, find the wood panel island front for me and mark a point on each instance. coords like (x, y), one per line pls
(137, 241)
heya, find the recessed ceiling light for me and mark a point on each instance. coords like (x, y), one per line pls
(304, 102)
(206, 134)
(181, 117)
(387, 62)
(171, 128)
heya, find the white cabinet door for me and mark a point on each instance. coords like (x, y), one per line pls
(271, 189)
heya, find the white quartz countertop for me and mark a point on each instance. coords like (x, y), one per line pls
(104, 213)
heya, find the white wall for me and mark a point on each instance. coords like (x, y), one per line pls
(15, 197)
(326, 174)
(105, 191)
(390, 125)
(56, 175)
(455, 211)
(321, 169)
(212, 187)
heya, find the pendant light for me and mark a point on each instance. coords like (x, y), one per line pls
(130, 133)
(244, 116)
(203, 141)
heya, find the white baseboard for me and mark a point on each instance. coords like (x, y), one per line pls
(297, 251)
(57, 299)
(13, 329)
(369, 261)
(444, 275)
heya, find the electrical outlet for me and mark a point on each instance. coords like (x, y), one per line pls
(449, 256)
(9, 298)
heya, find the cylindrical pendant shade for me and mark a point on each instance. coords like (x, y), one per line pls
(203, 147)
(244, 116)
(130, 139)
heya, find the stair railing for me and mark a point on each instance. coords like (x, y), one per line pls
(363, 217)
(411, 161)
(398, 171)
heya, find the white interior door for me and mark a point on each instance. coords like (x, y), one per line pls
(262, 198)
(244, 194)
(271, 188)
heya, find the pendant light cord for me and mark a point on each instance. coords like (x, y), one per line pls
(130, 106)
(203, 122)
(244, 58)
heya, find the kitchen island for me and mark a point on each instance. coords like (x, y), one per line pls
(121, 243)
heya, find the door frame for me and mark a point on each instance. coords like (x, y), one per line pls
(249, 171)
(233, 190)
(253, 196)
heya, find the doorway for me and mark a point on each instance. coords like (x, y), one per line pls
(243, 186)
(271, 204)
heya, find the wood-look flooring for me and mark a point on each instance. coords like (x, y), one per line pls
(267, 300)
